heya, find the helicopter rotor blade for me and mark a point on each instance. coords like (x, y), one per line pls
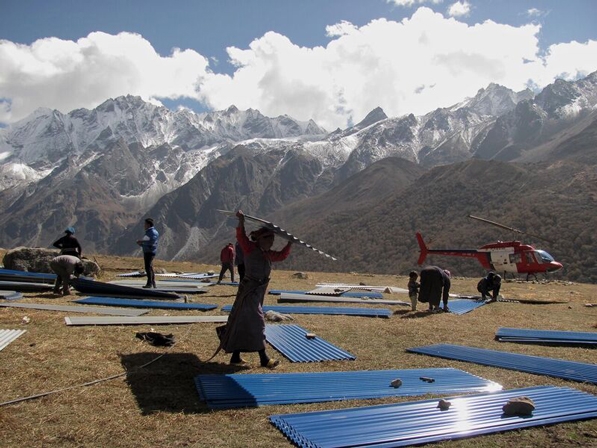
(509, 228)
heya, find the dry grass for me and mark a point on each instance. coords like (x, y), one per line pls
(158, 405)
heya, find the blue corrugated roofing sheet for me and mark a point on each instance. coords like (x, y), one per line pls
(366, 312)
(461, 306)
(420, 422)
(23, 276)
(546, 336)
(242, 390)
(558, 368)
(115, 301)
(291, 341)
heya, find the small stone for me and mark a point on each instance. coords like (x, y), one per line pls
(519, 406)
(396, 383)
(444, 405)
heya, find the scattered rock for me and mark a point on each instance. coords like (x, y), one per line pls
(444, 405)
(274, 316)
(310, 335)
(519, 406)
(396, 383)
(301, 275)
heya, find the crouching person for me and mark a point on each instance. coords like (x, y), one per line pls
(64, 266)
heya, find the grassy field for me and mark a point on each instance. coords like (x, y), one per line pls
(158, 405)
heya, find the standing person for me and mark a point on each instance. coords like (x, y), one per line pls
(245, 330)
(413, 289)
(239, 261)
(433, 280)
(227, 260)
(64, 266)
(489, 286)
(68, 244)
(149, 243)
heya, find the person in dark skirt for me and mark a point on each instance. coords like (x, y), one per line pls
(245, 330)
(435, 287)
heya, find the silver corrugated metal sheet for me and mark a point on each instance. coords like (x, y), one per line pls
(388, 289)
(144, 320)
(291, 341)
(421, 422)
(463, 306)
(77, 309)
(165, 286)
(546, 336)
(366, 312)
(10, 295)
(558, 368)
(284, 297)
(114, 301)
(242, 390)
(7, 336)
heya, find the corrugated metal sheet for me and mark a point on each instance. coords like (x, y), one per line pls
(25, 286)
(10, 295)
(420, 422)
(546, 336)
(388, 289)
(107, 289)
(250, 390)
(164, 286)
(7, 336)
(76, 309)
(366, 312)
(463, 306)
(24, 276)
(369, 294)
(144, 320)
(114, 301)
(291, 341)
(557, 368)
(284, 297)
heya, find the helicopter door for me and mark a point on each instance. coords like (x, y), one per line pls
(500, 259)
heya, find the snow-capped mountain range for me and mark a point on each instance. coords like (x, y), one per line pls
(102, 169)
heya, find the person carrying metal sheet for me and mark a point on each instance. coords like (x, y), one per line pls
(245, 330)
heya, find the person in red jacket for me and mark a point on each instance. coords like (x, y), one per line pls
(227, 259)
(245, 329)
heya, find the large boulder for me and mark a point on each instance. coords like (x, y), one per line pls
(37, 259)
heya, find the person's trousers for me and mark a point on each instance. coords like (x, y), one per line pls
(227, 267)
(148, 260)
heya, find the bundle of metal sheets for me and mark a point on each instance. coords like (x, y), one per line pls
(421, 422)
(558, 368)
(292, 342)
(115, 301)
(242, 390)
(284, 297)
(546, 336)
(357, 294)
(76, 309)
(366, 312)
(11, 275)
(10, 295)
(107, 289)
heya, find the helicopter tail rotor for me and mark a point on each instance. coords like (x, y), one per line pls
(423, 247)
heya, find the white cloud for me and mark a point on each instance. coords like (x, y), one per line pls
(66, 75)
(412, 66)
(409, 3)
(534, 12)
(459, 9)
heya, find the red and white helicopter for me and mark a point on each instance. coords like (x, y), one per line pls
(511, 257)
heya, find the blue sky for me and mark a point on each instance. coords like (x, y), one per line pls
(329, 60)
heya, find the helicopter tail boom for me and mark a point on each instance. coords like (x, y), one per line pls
(423, 248)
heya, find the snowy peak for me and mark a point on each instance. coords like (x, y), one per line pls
(495, 100)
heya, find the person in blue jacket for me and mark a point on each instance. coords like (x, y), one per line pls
(149, 244)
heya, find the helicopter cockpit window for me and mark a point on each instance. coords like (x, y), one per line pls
(544, 256)
(515, 258)
(529, 257)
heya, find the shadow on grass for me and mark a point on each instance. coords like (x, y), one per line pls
(413, 314)
(168, 384)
